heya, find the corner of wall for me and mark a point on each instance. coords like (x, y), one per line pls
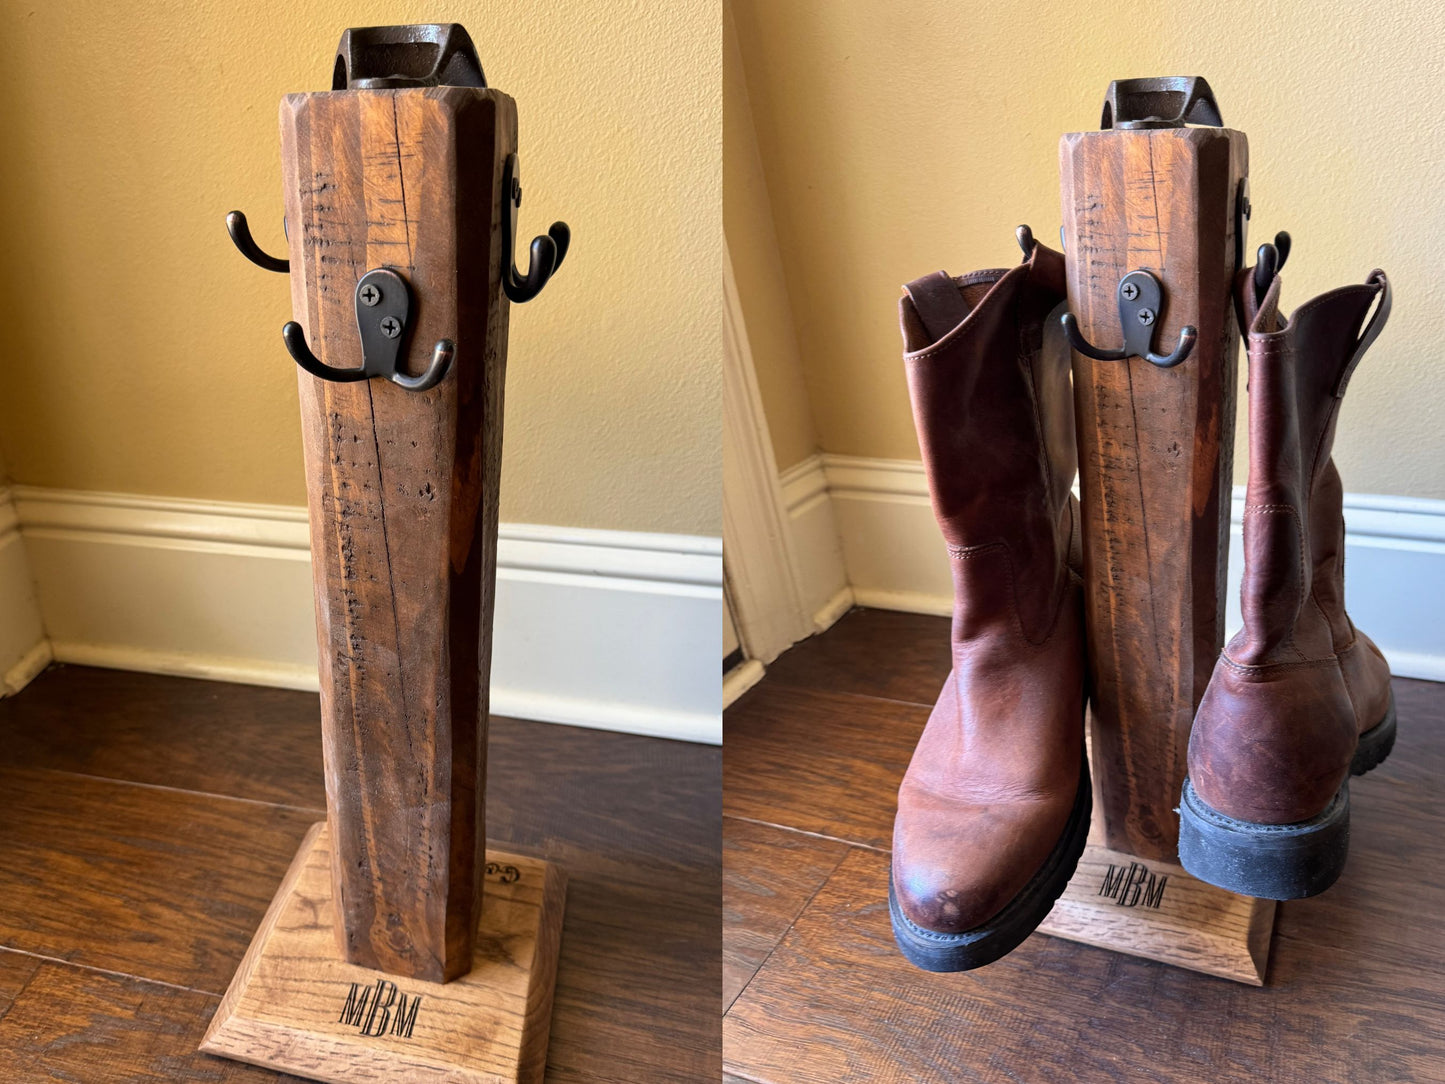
(824, 587)
(750, 235)
(24, 649)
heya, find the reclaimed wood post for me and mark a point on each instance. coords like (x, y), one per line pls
(1155, 449)
(1165, 205)
(401, 190)
(402, 496)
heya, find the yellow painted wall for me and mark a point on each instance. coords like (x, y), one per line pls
(142, 354)
(900, 139)
(758, 270)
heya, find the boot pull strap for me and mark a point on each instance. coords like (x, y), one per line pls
(938, 303)
(1372, 330)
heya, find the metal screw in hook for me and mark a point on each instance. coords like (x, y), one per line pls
(382, 330)
(369, 294)
(1140, 297)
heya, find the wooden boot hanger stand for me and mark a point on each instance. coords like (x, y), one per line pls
(381, 957)
(1154, 216)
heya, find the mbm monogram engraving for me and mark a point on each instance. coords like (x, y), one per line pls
(1133, 886)
(374, 1009)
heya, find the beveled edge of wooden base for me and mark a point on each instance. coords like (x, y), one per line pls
(1157, 911)
(307, 1052)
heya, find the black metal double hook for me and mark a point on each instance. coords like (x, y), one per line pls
(1268, 263)
(1141, 299)
(548, 250)
(383, 306)
(382, 321)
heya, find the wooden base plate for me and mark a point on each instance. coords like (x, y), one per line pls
(295, 1007)
(1157, 911)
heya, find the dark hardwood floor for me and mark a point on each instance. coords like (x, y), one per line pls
(146, 822)
(815, 991)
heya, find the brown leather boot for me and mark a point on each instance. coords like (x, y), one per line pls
(994, 809)
(1363, 665)
(1299, 698)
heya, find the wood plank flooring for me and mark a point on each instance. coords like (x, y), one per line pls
(816, 991)
(145, 823)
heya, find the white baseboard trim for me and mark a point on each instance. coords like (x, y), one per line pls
(24, 671)
(816, 542)
(833, 609)
(912, 602)
(740, 679)
(895, 559)
(192, 664)
(1394, 577)
(24, 651)
(610, 629)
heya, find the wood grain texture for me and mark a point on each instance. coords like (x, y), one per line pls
(241, 741)
(637, 985)
(1155, 451)
(825, 763)
(652, 806)
(402, 495)
(16, 971)
(769, 874)
(635, 821)
(143, 880)
(85, 1027)
(836, 1002)
(1157, 911)
(846, 659)
(294, 1006)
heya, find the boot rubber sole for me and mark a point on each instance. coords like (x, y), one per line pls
(1277, 861)
(1000, 935)
(1375, 743)
(1270, 861)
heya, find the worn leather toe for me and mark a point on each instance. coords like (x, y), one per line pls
(959, 863)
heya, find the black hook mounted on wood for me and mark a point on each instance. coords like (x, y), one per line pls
(388, 58)
(1140, 302)
(240, 233)
(1268, 263)
(548, 250)
(383, 304)
(442, 54)
(1025, 237)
